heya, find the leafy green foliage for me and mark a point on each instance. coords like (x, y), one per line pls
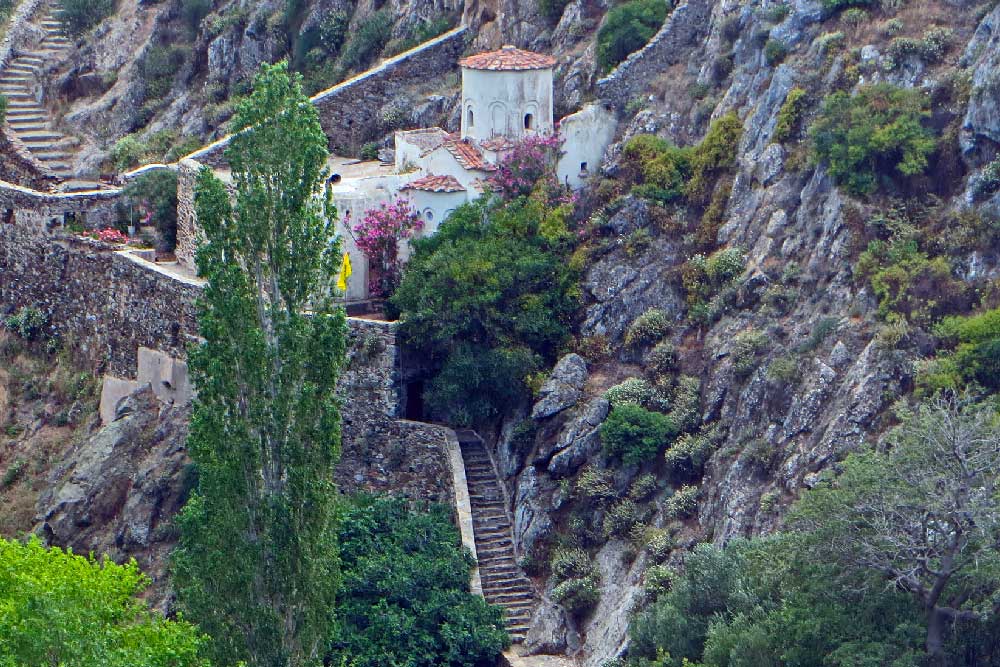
(633, 390)
(747, 346)
(405, 599)
(661, 169)
(155, 193)
(78, 16)
(28, 323)
(488, 299)
(875, 133)
(648, 329)
(790, 115)
(368, 41)
(552, 9)
(627, 28)
(577, 580)
(256, 564)
(715, 155)
(835, 5)
(973, 355)
(57, 608)
(775, 51)
(633, 434)
(192, 13)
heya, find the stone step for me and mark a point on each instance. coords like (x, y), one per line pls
(16, 79)
(33, 125)
(17, 94)
(500, 598)
(53, 156)
(40, 136)
(31, 59)
(26, 70)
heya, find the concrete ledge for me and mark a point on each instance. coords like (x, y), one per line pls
(463, 505)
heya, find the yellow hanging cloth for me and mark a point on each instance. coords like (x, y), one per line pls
(345, 273)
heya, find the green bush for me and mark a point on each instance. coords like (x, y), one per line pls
(660, 169)
(714, 156)
(747, 346)
(875, 133)
(659, 543)
(683, 504)
(657, 580)
(572, 563)
(578, 596)
(648, 328)
(28, 323)
(931, 48)
(158, 68)
(634, 434)
(790, 116)
(687, 457)
(643, 487)
(704, 277)
(661, 360)
(3, 109)
(635, 391)
(128, 152)
(685, 403)
(552, 9)
(78, 16)
(369, 151)
(596, 485)
(973, 355)
(621, 518)
(855, 17)
(984, 186)
(405, 597)
(368, 41)
(627, 28)
(775, 51)
(835, 5)
(193, 11)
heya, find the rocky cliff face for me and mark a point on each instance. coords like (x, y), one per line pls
(794, 366)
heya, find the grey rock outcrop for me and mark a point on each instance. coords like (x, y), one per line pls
(563, 388)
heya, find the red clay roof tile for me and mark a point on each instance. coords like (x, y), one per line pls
(432, 183)
(508, 58)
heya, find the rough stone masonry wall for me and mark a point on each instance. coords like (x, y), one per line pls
(109, 304)
(349, 111)
(685, 26)
(36, 209)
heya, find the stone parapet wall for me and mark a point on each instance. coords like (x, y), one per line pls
(349, 111)
(36, 209)
(686, 25)
(187, 218)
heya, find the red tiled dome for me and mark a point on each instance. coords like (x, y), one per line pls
(508, 58)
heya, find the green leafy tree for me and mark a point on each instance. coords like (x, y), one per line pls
(155, 194)
(634, 434)
(406, 600)
(876, 132)
(256, 564)
(57, 608)
(924, 515)
(489, 298)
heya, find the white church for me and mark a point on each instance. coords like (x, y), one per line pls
(506, 95)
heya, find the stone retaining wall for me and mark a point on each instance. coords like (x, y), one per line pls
(686, 25)
(36, 210)
(349, 111)
(110, 303)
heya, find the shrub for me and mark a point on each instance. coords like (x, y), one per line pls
(593, 348)
(13, 474)
(704, 277)
(552, 9)
(876, 132)
(687, 457)
(658, 579)
(975, 356)
(193, 11)
(648, 328)
(715, 155)
(578, 596)
(789, 120)
(661, 168)
(572, 563)
(683, 503)
(634, 434)
(627, 28)
(595, 485)
(659, 543)
(661, 360)
(747, 345)
(635, 391)
(685, 403)
(368, 41)
(855, 17)
(643, 487)
(836, 5)
(333, 31)
(784, 369)
(78, 16)
(930, 49)
(775, 51)
(829, 42)
(369, 151)
(777, 13)
(128, 152)
(3, 109)
(984, 186)
(28, 323)
(158, 68)
(621, 518)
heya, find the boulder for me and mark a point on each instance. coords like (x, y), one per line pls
(563, 388)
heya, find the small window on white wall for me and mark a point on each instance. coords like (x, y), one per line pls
(472, 119)
(429, 215)
(529, 121)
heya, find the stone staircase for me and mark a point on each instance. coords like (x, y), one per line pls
(29, 120)
(504, 583)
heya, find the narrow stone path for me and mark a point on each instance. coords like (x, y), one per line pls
(504, 583)
(27, 117)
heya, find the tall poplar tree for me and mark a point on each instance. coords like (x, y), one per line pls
(256, 565)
